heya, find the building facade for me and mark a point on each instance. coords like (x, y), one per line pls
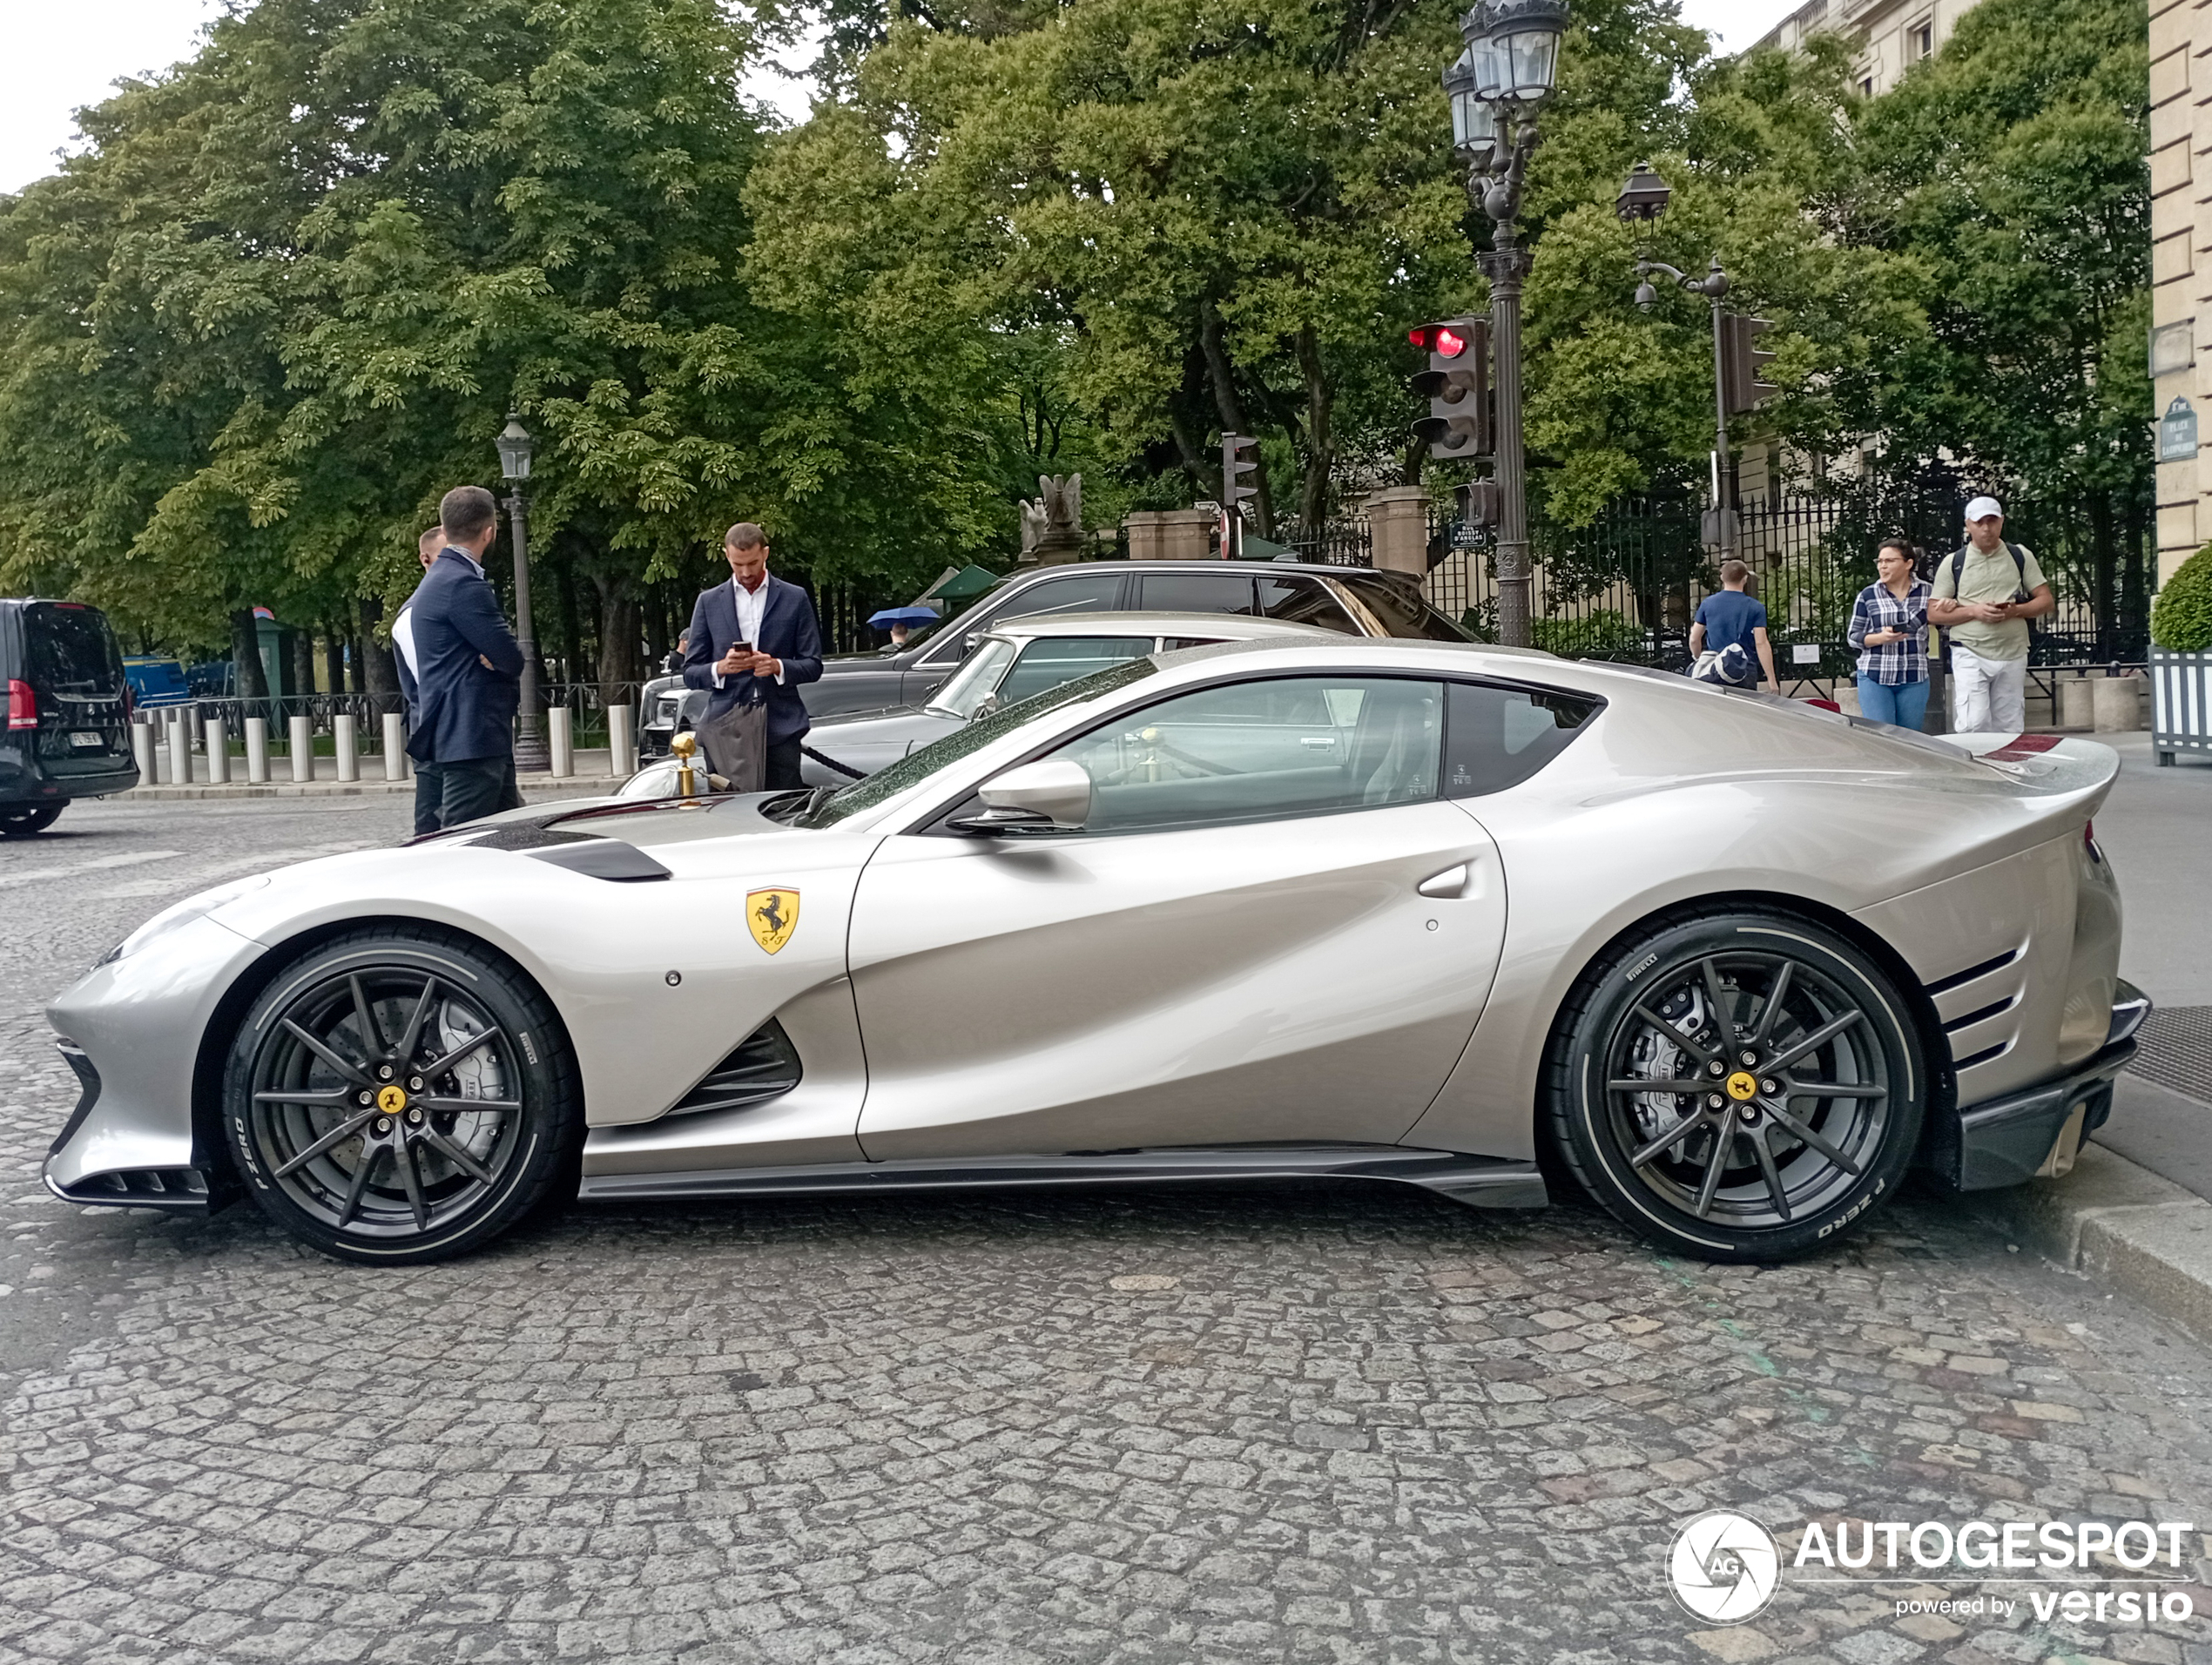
(2180, 268)
(1891, 36)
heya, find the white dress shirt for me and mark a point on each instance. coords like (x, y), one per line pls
(750, 604)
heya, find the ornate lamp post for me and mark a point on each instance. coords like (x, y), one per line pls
(1509, 68)
(1642, 199)
(516, 447)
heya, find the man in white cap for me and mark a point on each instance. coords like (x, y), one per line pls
(1985, 594)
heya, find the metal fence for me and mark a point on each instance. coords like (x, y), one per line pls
(1626, 586)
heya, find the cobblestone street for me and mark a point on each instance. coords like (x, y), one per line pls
(1328, 1423)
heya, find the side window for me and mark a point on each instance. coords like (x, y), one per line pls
(1049, 661)
(1096, 592)
(1302, 601)
(1496, 737)
(1398, 604)
(1263, 750)
(1195, 592)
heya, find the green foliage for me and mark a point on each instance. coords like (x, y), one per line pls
(2181, 619)
(1592, 635)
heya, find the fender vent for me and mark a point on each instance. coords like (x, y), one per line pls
(181, 1190)
(764, 1066)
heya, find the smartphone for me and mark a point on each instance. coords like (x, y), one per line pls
(740, 647)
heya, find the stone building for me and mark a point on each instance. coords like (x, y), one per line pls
(2181, 231)
(1891, 35)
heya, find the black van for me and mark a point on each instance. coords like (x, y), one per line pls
(69, 712)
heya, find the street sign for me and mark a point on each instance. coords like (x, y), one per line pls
(2177, 432)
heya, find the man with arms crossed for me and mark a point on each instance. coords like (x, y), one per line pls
(755, 639)
(468, 668)
(1985, 594)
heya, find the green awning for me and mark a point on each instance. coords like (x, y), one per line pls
(1258, 548)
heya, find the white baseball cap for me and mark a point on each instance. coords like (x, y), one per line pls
(1983, 507)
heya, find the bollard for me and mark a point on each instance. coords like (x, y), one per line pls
(394, 746)
(560, 742)
(2077, 704)
(180, 750)
(621, 747)
(256, 751)
(349, 767)
(2117, 703)
(219, 753)
(142, 750)
(303, 749)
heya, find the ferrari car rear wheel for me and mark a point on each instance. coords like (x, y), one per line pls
(1742, 1086)
(398, 1097)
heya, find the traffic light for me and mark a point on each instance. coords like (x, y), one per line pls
(1478, 503)
(1742, 359)
(1456, 385)
(1234, 468)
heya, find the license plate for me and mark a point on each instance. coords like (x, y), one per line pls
(86, 741)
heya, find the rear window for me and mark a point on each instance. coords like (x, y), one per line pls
(1402, 610)
(1496, 737)
(68, 651)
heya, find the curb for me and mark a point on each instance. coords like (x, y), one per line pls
(546, 786)
(2126, 1227)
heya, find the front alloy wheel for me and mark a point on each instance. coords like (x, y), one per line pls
(395, 1097)
(1744, 1087)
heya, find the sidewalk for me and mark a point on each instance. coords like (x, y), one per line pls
(590, 779)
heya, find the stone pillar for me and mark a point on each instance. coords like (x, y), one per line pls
(1398, 524)
(1171, 534)
(2116, 705)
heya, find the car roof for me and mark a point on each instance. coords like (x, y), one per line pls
(1322, 569)
(1222, 627)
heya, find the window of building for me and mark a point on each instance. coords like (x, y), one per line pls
(1924, 40)
(1867, 87)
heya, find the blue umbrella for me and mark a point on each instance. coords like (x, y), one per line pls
(909, 617)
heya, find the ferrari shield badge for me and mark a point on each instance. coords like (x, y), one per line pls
(772, 916)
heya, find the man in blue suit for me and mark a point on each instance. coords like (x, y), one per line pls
(429, 783)
(468, 667)
(755, 640)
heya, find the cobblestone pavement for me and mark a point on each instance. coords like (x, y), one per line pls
(1326, 1424)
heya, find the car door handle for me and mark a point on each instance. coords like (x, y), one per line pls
(1452, 881)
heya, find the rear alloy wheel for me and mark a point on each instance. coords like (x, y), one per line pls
(396, 1097)
(1743, 1086)
(27, 821)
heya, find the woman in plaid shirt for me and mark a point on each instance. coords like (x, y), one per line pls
(1889, 626)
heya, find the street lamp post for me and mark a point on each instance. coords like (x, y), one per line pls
(1644, 198)
(1509, 68)
(515, 449)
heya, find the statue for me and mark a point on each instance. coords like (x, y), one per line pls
(1052, 526)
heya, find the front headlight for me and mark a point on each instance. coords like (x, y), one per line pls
(183, 913)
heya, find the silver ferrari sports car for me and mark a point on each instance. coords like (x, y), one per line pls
(1457, 917)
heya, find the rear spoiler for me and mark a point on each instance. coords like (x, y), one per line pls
(2055, 765)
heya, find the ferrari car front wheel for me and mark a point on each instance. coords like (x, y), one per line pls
(1741, 1086)
(397, 1096)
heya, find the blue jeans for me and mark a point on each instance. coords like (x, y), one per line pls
(1903, 704)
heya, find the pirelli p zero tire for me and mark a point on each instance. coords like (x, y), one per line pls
(1741, 1086)
(397, 1096)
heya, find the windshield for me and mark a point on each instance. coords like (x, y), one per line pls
(918, 766)
(976, 678)
(72, 655)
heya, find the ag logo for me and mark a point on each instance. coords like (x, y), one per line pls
(1725, 1567)
(772, 916)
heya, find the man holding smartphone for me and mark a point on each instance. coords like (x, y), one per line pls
(1984, 594)
(755, 640)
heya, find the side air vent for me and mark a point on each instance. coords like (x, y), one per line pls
(764, 1066)
(1960, 979)
(183, 1190)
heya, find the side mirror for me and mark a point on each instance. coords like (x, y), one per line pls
(984, 707)
(1048, 797)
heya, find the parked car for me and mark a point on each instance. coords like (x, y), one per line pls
(1008, 663)
(69, 712)
(1352, 601)
(156, 682)
(1382, 909)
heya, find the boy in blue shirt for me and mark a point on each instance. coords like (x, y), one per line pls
(1732, 618)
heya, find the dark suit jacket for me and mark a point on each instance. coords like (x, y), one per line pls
(787, 631)
(462, 710)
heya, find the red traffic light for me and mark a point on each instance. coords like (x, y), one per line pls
(1439, 339)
